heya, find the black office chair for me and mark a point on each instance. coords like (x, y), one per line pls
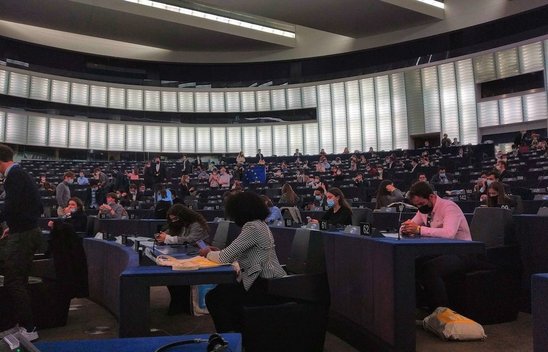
(489, 291)
(360, 215)
(304, 297)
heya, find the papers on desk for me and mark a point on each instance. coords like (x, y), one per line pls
(390, 234)
(193, 263)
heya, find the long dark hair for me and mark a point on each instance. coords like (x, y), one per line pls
(381, 191)
(187, 216)
(243, 207)
(342, 200)
(502, 198)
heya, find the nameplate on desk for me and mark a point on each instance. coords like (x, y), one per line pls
(324, 225)
(365, 229)
(288, 222)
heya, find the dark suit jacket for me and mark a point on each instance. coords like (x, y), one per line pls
(160, 175)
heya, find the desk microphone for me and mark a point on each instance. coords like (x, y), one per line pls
(401, 206)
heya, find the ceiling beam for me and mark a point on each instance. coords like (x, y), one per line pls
(419, 6)
(187, 20)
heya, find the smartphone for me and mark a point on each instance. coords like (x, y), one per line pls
(201, 244)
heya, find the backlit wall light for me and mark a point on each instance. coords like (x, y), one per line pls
(221, 19)
(435, 3)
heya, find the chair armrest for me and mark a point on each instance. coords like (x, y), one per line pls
(308, 287)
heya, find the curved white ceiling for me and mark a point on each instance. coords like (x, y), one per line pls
(323, 27)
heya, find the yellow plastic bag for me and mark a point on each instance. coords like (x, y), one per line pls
(450, 325)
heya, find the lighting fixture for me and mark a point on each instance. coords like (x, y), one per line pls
(221, 19)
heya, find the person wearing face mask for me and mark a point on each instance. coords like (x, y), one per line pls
(436, 217)
(496, 197)
(320, 200)
(159, 172)
(442, 177)
(339, 212)
(183, 226)
(74, 215)
(62, 192)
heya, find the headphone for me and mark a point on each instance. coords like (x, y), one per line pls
(215, 343)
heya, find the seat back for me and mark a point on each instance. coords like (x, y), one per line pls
(519, 203)
(493, 226)
(226, 232)
(307, 253)
(293, 213)
(361, 215)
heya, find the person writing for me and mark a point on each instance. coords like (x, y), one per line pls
(183, 226)
(254, 251)
(442, 218)
(20, 239)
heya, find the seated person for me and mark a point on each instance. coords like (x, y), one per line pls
(288, 198)
(82, 179)
(113, 210)
(442, 177)
(436, 217)
(339, 212)
(74, 215)
(254, 252)
(320, 200)
(184, 225)
(275, 212)
(132, 198)
(496, 197)
(224, 178)
(387, 193)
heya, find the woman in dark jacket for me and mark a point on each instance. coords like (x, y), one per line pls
(496, 197)
(74, 216)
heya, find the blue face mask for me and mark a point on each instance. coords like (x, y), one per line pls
(330, 203)
(318, 197)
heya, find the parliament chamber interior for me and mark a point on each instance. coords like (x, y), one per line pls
(397, 150)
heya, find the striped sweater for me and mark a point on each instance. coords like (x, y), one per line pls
(254, 251)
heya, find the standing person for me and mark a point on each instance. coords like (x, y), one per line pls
(20, 239)
(187, 166)
(102, 185)
(436, 217)
(62, 193)
(254, 251)
(159, 172)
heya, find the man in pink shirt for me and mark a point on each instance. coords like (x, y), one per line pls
(442, 218)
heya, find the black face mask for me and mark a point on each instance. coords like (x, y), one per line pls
(426, 209)
(494, 199)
